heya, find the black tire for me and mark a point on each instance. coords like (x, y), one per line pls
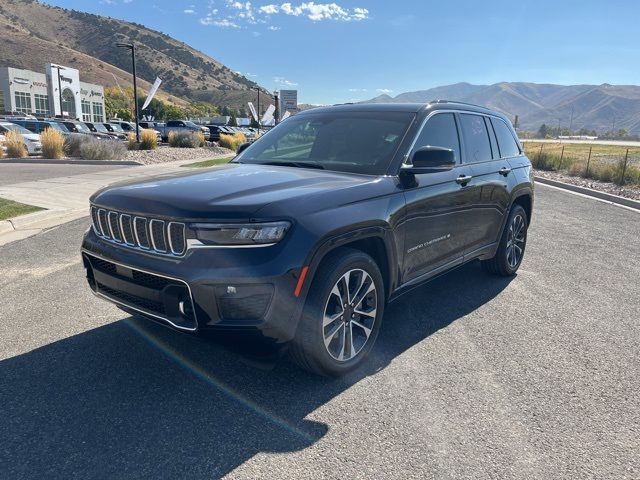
(308, 349)
(503, 263)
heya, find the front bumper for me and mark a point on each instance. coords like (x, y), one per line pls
(244, 290)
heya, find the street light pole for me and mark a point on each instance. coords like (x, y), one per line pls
(58, 67)
(132, 47)
(259, 122)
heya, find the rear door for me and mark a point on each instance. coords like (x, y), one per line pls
(437, 206)
(489, 183)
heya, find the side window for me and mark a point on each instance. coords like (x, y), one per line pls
(506, 142)
(440, 131)
(32, 126)
(476, 138)
(492, 137)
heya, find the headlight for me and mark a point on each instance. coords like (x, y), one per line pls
(240, 234)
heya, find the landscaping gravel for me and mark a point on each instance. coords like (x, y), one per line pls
(170, 154)
(627, 191)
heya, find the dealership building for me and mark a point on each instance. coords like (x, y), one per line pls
(56, 92)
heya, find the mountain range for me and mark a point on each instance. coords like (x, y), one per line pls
(595, 107)
(34, 34)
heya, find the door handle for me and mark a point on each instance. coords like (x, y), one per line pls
(463, 179)
(504, 171)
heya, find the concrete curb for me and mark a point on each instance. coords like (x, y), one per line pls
(71, 162)
(6, 226)
(627, 202)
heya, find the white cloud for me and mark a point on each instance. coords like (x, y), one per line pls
(189, 11)
(223, 23)
(357, 89)
(269, 9)
(237, 12)
(383, 90)
(281, 81)
(273, 28)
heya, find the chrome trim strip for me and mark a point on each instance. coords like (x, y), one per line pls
(184, 236)
(113, 237)
(135, 231)
(124, 237)
(100, 221)
(153, 242)
(193, 303)
(94, 220)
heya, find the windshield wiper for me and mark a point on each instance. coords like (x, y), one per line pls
(294, 164)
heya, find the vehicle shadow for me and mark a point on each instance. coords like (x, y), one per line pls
(133, 399)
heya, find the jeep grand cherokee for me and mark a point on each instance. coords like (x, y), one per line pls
(307, 234)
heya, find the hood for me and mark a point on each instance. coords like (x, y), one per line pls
(31, 136)
(234, 191)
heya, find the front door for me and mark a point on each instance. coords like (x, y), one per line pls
(438, 206)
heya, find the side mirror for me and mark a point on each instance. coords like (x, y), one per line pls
(242, 148)
(430, 160)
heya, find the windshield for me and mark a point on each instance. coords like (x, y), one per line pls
(82, 127)
(357, 142)
(117, 127)
(16, 128)
(58, 126)
(100, 128)
(191, 124)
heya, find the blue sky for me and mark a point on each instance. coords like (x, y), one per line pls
(346, 50)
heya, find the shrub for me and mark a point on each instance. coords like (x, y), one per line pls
(148, 140)
(184, 139)
(52, 143)
(201, 140)
(95, 149)
(131, 141)
(72, 143)
(232, 142)
(16, 147)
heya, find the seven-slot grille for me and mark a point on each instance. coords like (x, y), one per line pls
(152, 234)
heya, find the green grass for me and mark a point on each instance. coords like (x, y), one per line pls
(209, 163)
(10, 209)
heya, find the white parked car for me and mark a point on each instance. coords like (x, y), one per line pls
(31, 140)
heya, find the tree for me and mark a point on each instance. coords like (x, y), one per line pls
(232, 121)
(544, 131)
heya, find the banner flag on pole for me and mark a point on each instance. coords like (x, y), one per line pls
(268, 115)
(286, 115)
(152, 92)
(253, 111)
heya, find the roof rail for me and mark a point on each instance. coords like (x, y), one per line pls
(456, 101)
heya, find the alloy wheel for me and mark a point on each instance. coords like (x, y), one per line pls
(349, 315)
(516, 241)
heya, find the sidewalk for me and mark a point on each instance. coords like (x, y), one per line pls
(67, 198)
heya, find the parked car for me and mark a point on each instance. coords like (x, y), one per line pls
(98, 127)
(75, 126)
(215, 131)
(115, 129)
(131, 127)
(313, 228)
(185, 126)
(39, 126)
(31, 140)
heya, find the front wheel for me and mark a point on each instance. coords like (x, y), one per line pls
(513, 241)
(342, 315)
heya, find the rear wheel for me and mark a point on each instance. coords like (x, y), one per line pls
(510, 251)
(342, 315)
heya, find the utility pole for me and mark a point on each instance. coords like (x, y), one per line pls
(571, 121)
(58, 67)
(132, 47)
(558, 128)
(277, 112)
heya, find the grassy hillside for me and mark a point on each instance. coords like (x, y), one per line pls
(35, 34)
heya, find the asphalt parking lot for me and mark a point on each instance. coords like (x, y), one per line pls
(12, 173)
(473, 376)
